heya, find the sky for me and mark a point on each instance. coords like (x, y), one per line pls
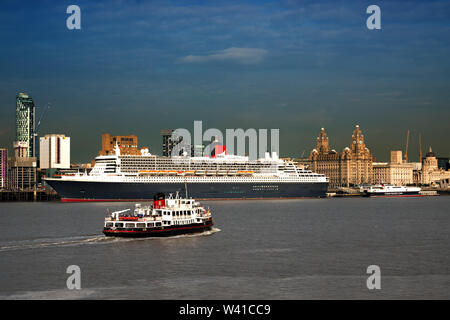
(136, 67)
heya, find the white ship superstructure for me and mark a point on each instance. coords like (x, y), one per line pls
(224, 168)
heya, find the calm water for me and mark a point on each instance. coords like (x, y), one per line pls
(288, 249)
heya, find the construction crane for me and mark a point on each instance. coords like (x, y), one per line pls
(406, 151)
(420, 147)
(36, 128)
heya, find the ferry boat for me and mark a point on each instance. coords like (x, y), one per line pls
(164, 217)
(387, 190)
(119, 177)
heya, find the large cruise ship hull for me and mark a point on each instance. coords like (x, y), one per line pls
(128, 191)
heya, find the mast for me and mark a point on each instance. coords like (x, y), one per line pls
(420, 147)
(406, 151)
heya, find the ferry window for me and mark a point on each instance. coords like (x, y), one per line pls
(119, 225)
(129, 225)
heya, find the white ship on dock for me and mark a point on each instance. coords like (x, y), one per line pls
(388, 190)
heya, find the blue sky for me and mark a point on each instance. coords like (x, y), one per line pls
(136, 67)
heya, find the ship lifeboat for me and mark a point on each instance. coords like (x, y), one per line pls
(245, 173)
(190, 172)
(147, 172)
(200, 172)
(211, 173)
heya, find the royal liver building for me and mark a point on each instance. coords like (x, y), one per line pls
(351, 167)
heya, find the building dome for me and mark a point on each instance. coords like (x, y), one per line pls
(430, 153)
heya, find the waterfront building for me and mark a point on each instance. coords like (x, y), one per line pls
(396, 172)
(127, 144)
(442, 162)
(22, 173)
(431, 173)
(3, 167)
(54, 152)
(351, 167)
(396, 157)
(325, 161)
(25, 122)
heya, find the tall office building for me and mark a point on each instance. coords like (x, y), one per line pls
(25, 121)
(3, 167)
(54, 151)
(169, 142)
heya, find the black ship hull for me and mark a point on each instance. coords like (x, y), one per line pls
(124, 191)
(159, 231)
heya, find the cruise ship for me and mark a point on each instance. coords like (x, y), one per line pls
(120, 177)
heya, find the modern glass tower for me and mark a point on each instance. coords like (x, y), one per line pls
(25, 121)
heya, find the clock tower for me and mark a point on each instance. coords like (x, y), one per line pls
(358, 146)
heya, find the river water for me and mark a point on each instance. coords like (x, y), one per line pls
(282, 249)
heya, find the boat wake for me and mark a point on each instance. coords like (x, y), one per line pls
(52, 242)
(86, 240)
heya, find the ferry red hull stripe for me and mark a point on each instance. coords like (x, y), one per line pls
(398, 195)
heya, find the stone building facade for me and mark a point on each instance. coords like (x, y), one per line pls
(396, 172)
(351, 167)
(431, 173)
(127, 144)
(326, 161)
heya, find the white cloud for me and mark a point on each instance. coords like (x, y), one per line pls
(237, 55)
